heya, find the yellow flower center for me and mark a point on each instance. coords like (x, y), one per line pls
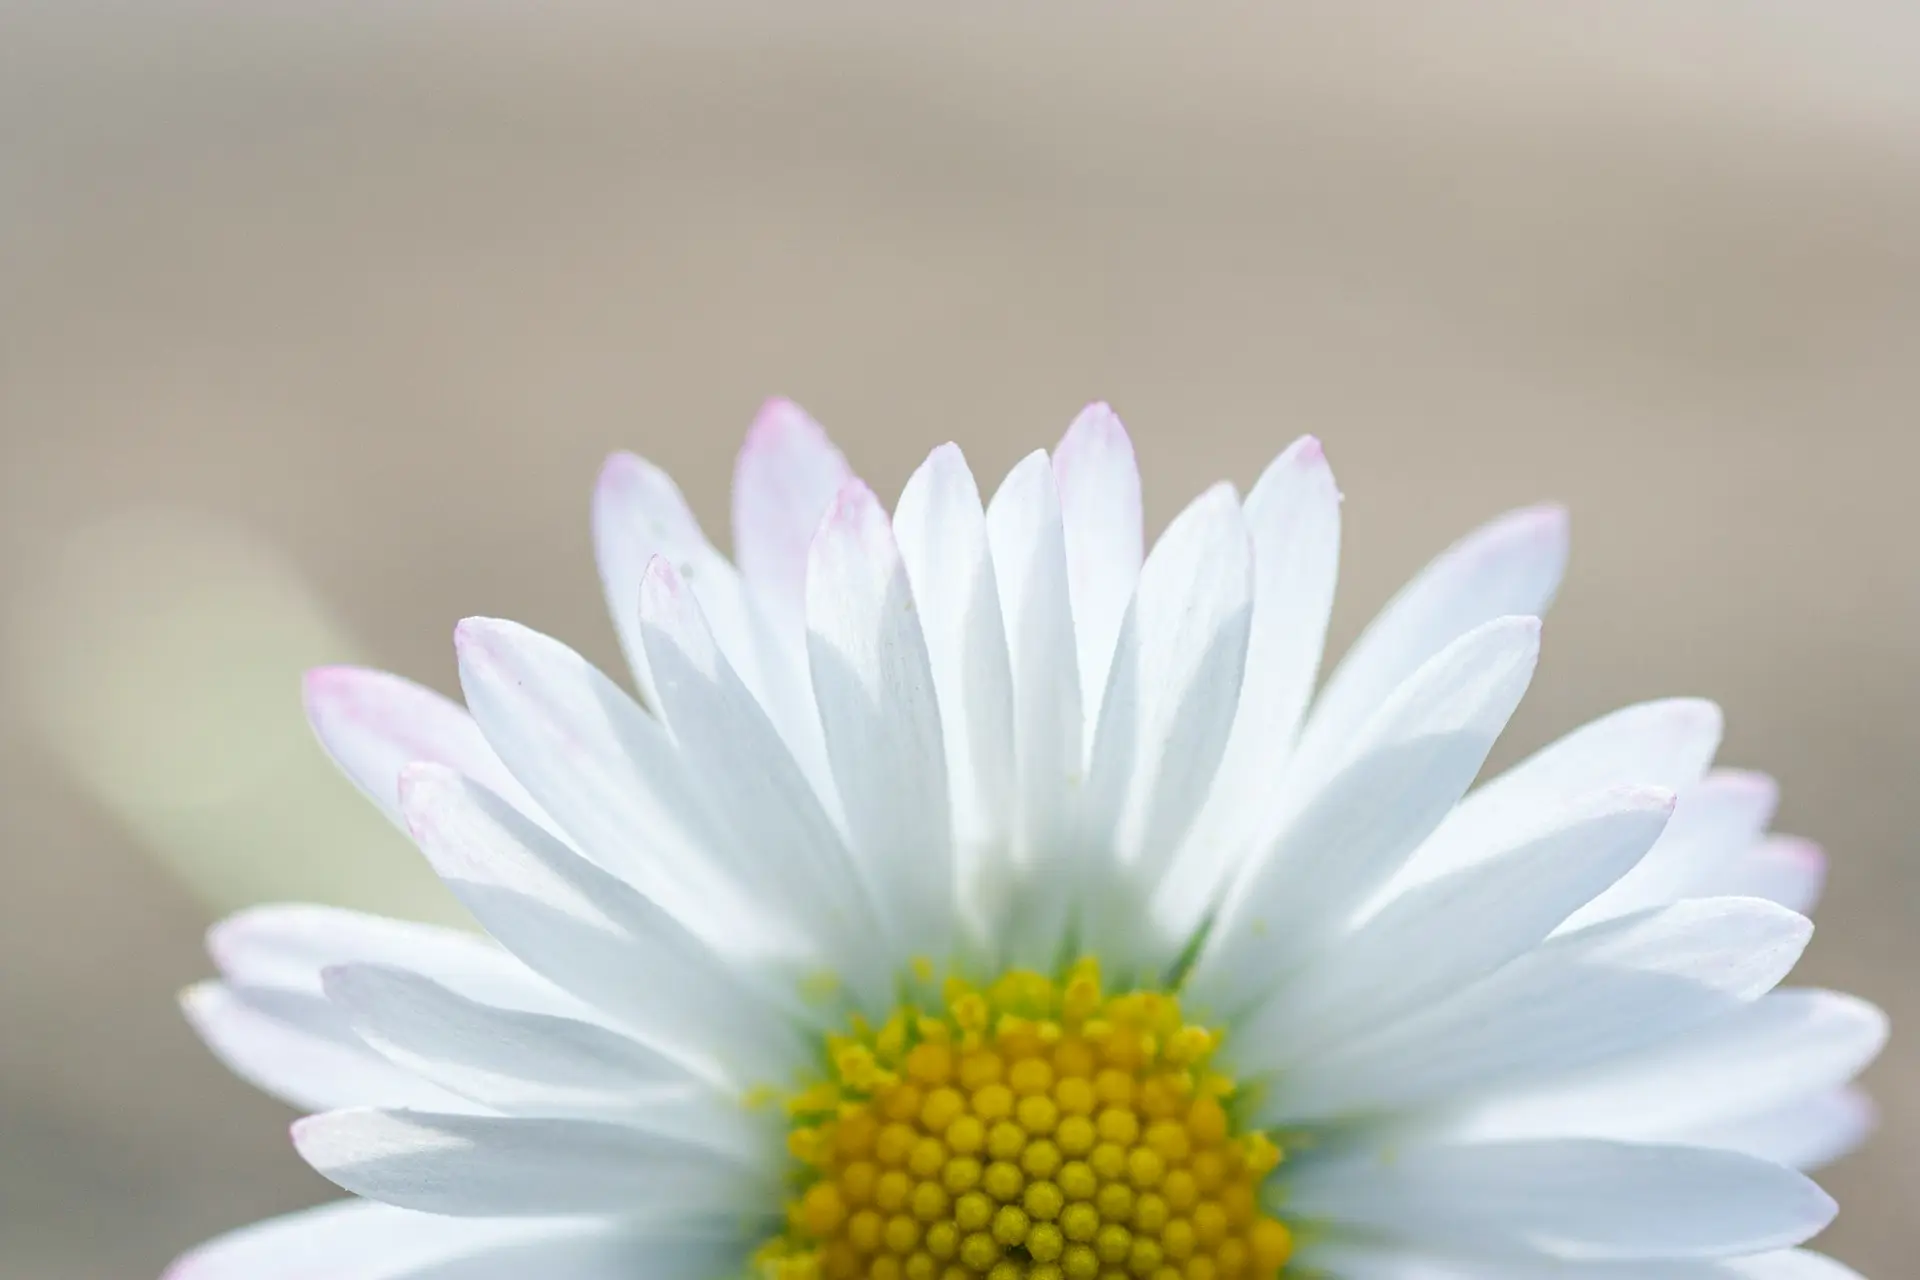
(1032, 1129)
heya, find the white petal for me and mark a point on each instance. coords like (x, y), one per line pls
(590, 933)
(1579, 1000)
(1715, 823)
(299, 1050)
(1782, 869)
(1099, 486)
(1791, 1264)
(505, 1059)
(1510, 567)
(1351, 1260)
(1665, 744)
(1435, 940)
(1293, 518)
(1808, 1133)
(1569, 1199)
(1175, 682)
(1030, 569)
(799, 858)
(287, 947)
(639, 513)
(1169, 705)
(484, 1166)
(608, 774)
(373, 724)
(783, 482)
(362, 1240)
(1782, 1047)
(606, 1250)
(874, 684)
(942, 531)
(1408, 769)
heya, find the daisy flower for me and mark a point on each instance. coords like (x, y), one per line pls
(974, 894)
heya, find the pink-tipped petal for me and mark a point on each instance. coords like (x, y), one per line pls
(1718, 821)
(874, 685)
(373, 723)
(1783, 869)
(787, 474)
(639, 513)
(1666, 743)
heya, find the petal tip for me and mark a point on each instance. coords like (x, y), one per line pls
(483, 637)
(194, 998)
(778, 421)
(1804, 850)
(1544, 525)
(622, 475)
(327, 690)
(660, 583)
(947, 455)
(853, 503)
(1096, 429)
(1652, 799)
(1543, 517)
(1761, 788)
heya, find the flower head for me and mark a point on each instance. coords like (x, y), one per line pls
(972, 893)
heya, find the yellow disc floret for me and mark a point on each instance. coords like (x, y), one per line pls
(1033, 1128)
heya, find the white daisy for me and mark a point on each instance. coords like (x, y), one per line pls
(975, 895)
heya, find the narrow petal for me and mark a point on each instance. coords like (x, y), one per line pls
(297, 1049)
(373, 724)
(1783, 1047)
(639, 513)
(785, 478)
(1782, 869)
(360, 1240)
(1571, 1199)
(1807, 1133)
(755, 786)
(1099, 486)
(287, 948)
(591, 933)
(1030, 568)
(942, 530)
(874, 683)
(505, 1059)
(1716, 822)
(1409, 768)
(1293, 519)
(1514, 899)
(607, 1250)
(608, 774)
(1352, 1259)
(1791, 1264)
(486, 1166)
(783, 481)
(1175, 682)
(1577, 1001)
(1666, 744)
(1510, 567)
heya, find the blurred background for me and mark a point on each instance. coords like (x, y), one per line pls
(317, 320)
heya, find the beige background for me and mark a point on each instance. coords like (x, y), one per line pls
(315, 321)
